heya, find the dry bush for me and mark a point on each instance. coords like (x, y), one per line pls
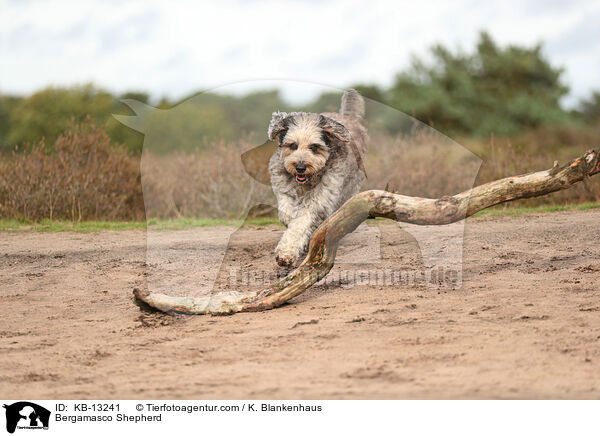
(207, 183)
(534, 151)
(426, 164)
(422, 164)
(84, 177)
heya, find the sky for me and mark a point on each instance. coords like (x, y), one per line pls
(177, 48)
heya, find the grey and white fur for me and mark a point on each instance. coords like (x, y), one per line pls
(316, 168)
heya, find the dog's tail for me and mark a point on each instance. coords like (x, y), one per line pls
(353, 104)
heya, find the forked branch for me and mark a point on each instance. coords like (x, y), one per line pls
(426, 211)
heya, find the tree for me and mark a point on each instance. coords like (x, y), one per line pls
(590, 108)
(495, 89)
(370, 91)
(48, 113)
(7, 105)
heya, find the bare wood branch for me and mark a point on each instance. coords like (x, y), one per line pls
(426, 211)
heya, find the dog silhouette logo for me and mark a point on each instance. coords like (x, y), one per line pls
(26, 415)
(186, 172)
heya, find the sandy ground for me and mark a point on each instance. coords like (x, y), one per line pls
(524, 324)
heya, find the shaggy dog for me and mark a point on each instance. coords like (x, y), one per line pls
(316, 168)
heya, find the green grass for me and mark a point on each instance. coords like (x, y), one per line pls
(153, 224)
(189, 223)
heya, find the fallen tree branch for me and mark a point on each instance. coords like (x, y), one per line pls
(426, 211)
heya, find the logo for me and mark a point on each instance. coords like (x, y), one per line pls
(174, 155)
(26, 415)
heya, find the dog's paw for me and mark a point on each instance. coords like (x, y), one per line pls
(286, 259)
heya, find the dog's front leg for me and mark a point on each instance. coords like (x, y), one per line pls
(295, 239)
(286, 207)
(312, 211)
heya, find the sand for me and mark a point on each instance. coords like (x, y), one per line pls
(524, 324)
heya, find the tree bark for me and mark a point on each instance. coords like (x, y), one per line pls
(369, 204)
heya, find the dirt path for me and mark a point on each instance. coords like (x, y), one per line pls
(525, 324)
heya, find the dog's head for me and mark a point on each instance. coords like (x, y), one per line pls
(307, 141)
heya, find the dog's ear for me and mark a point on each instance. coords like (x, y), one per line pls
(334, 129)
(278, 125)
(337, 131)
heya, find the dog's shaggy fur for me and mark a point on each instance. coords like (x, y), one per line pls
(317, 167)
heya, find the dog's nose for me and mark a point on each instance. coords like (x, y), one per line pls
(300, 168)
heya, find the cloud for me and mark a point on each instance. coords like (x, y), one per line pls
(175, 48)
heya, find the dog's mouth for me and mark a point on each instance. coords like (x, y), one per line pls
(302, 178)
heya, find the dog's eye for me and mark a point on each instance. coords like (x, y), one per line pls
(314, 148)
(293, 145)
